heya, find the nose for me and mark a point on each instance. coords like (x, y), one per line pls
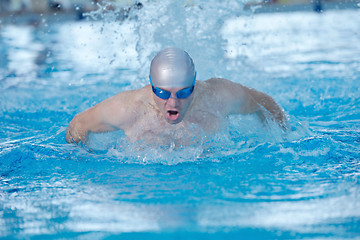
(173, 100)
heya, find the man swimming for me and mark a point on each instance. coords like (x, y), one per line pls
(174, 101)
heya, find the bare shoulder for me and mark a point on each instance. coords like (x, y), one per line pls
(225, 88)
(122, 108)
(216, 81)
(222, 82)
(233, 97)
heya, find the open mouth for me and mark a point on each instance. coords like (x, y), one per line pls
(172, 115)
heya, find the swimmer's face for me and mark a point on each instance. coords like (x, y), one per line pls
(173, 109)
(172, 77)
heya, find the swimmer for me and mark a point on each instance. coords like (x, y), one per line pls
(173, 97)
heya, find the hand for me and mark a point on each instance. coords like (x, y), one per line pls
(72, 136)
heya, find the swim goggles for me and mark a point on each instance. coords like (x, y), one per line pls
(181, 94)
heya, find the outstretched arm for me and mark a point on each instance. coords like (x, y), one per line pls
(109, 115)
(90, 120)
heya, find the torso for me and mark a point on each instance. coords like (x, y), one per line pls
(203, 118)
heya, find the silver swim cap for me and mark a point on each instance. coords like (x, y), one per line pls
(172, 67)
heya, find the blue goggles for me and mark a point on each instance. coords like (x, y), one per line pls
(181, 94)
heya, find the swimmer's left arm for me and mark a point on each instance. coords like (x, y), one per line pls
(244, 100)
(266, 102)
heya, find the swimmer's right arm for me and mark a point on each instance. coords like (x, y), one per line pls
(85, 122)
(109, 115)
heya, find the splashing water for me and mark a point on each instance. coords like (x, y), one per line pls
(193, 26)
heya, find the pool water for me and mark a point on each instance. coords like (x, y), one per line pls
(247, 181)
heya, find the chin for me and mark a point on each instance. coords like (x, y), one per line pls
(174, 121)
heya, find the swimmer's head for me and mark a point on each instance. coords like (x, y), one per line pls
(172, 67)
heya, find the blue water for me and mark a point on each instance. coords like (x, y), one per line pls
(247, 181)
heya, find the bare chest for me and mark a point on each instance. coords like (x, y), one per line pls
(151, 127)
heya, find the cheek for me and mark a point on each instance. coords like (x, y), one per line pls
(159, 103)
(186, 103)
